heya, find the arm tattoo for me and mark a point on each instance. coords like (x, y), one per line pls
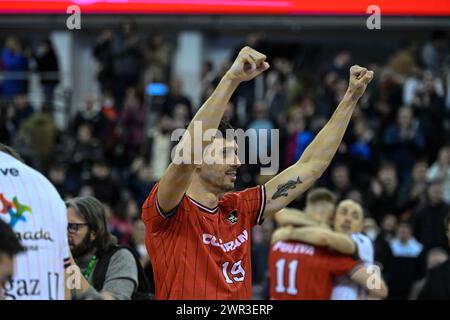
(282, 189)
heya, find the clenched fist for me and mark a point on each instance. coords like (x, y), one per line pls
(359, 79)
(248, 64)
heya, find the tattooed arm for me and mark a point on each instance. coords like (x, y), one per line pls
(295, 180)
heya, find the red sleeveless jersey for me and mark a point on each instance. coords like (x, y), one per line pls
(203, 253)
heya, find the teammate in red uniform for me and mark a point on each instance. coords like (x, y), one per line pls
(197, 233)
(299, 270)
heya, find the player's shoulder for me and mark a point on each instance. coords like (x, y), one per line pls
(364, 246)
(245, 194)
(361, 239)
(30, 176)
(237, 199)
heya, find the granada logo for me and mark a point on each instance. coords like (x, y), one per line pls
(34, 236)
(14, 209)
(232, 217)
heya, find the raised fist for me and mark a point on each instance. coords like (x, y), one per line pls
(359, 79)
(248, 64)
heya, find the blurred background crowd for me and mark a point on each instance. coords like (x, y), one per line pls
(394, 160)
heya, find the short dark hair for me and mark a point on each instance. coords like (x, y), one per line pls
(93, 211)
(9, 243)
(9, 150)
(321, 194)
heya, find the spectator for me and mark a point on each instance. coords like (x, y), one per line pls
(440, 170)
(15, 65)
(435, 257)
(6, 125)
(341, 181)
(9, 248)
(57, 174)
(262, 125)
(121, 224)
(412, 193)
(304, 138)
(127, 59)
(404, 142)
(110, 118)
(90, 114)
(141, 180)
(435, 50)
(174, 97)
(362, 152)
(132, 123)
(90, 242)
(181, 116)
(277, 88)
(406, 262)
(383, 197)
(103, 52)
(341, 63)
(437, 284)
(294, 128)
(22, 110)
(82, 153)
(157, 54)
(207, 77)
(159, 145)
(383, 252)
(138, 244)
(327, 95)
(48, 69)
(38, 135)
(105, 187)
(428, 218)
(429, 107)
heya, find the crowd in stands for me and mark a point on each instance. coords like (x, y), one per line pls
(394, 160)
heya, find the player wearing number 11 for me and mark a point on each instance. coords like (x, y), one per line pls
(197, 230)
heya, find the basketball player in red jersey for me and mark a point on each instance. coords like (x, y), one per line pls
(197, 230)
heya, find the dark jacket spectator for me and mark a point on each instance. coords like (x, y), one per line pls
(437, 283)
(404, 142)
(90, 114)
(105, 187)
(412, 192)
(175, 97)
(104, 55)
(406, 267)
(383, 195)
(428, 219)
(435, 257)
(127, 59)
(48, 68)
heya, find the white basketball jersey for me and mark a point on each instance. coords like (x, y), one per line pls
(345, 288)
(33, 208)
